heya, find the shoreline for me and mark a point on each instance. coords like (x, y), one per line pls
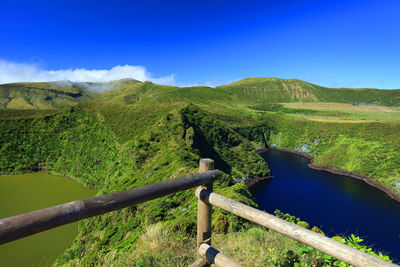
(51, 173)
(357, 176)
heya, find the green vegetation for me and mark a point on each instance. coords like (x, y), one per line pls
(141, 133)
(368, 148)
(112, 148)
(313, 257)
(247, 92)
(42, 95)
(344, 112)
(272, 90)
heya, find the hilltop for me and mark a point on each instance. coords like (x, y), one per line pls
(250, 92)
(293, 90)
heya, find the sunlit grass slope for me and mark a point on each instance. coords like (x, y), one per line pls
(344, 112)
(248, 92)
(42, 95)
(251, 91)
(273, 90)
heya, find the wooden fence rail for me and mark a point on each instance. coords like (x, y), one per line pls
(19, 226)
(214, 256)
(320, 242)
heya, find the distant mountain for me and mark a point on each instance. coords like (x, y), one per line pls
(250, 91)
(275, 90)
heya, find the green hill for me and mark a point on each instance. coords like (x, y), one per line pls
(253, 91)
(272, 90)
(249, 92)
(136, 133)
(42, 95)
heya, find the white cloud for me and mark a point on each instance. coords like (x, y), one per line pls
(23, 72)
(212, 82)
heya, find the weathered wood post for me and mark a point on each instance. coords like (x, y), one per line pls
(204, 210)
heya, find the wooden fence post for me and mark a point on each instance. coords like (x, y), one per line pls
(204, 211)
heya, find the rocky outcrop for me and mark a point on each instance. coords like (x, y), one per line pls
(252, 181)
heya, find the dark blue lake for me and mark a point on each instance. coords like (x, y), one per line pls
(336, 204)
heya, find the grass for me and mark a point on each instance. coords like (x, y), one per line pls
(256, 247)
(43, 95)
(159, 246)
(142, 133)
(253, 247)
(353, 113)
(251, 91)
(368, 148)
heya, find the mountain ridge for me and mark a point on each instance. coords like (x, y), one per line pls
(248, 91)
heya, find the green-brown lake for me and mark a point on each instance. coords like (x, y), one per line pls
(28, 192)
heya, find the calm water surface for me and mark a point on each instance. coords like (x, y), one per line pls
(28, 192)
(336, 204)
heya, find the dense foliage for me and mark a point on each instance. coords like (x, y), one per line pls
(112, 147)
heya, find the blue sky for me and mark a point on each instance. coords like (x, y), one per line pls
(332, 43)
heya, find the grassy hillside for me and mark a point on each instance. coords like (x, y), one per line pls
(272, 90)
(248, 92)
(139, 133)
(42, 95)
(368, 148)
(342, 112)
(114, 147)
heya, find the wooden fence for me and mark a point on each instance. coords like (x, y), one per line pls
(19, 226)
